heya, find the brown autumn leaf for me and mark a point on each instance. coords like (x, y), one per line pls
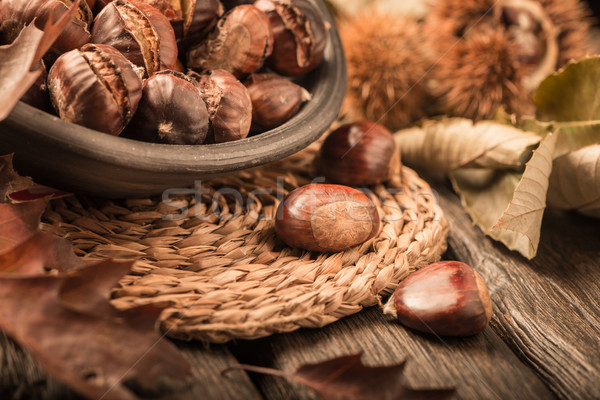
(575, 181)
(10, 180)
(68, 324)
(18, 222)
(19, 61)
(347, 378)
(507, 205)
(459, 143)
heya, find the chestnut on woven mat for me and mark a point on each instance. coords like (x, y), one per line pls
(222, 270)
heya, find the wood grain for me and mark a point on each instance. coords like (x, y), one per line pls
(21, 377)
(480, 367)
(547, 310)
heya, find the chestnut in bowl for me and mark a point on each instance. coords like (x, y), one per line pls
(77, 159)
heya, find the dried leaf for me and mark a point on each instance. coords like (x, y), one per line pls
(10, 180)
(346, 378)
(18, 222)
(575, 181)
(509, 206)
(458, 143)
(19, 66)
(521, 223)
(79, 338)
(28, 257)
(568, 98)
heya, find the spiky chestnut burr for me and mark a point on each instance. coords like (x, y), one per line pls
(387, 63)
(529, 38)
(480, 75)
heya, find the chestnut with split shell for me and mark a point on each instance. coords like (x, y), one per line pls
(361, 153)
(95, 86)
(228, 102)
(240, 43)
(447, 298)
(326, 218)
(139, 31)
(299, 35)
(15, 14)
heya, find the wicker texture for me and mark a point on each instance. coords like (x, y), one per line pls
(222, 271)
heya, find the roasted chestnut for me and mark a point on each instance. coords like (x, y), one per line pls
(357, 154)
(327, 218)
(171, 111)
(299, 33)
(15, 14)
(446, 298)
(37, 96)
(229, 105)
(189, 18)
(275, 99)
(95, 86)
(139, 31)
(240, 43)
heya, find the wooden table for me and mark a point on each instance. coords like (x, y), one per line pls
(543, 342)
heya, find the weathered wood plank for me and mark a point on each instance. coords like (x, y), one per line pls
(548, 309)
(21, 377)
(207, 362)
(480, 367)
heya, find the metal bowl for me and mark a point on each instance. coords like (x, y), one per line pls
(76, 159)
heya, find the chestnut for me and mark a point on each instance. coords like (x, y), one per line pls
(171, 111)
(274, 99)
(18, 13)
(447, 298)
(140, 32)
(229, 105)
(326, 218)
(358, 153)
(240, 43)
(299, 35)
(37, 96)
(189, 18)
(95, 86)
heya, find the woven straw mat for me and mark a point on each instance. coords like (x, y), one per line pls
(221, 268)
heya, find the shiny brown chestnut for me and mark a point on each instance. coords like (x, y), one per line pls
(37, 96)
(189, 18)
(95, 86)
(171, 111)
(447, 298)
(275, 99)
(229, 105)
(240, 43)
(139, 31)
(15, 14)
(299, 33)
(358, 153)
(326, 218)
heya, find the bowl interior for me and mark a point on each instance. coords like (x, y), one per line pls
(73, 158)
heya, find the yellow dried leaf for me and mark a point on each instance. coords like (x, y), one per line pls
(575, 181)
(508, 206)
(458, 143)
(520, 224)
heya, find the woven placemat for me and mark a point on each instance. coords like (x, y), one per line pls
(215, 260)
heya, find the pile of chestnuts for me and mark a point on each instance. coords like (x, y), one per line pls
(174, 71)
